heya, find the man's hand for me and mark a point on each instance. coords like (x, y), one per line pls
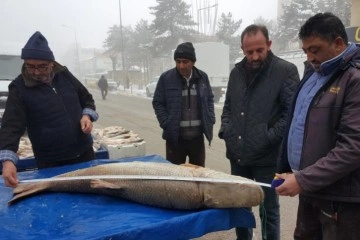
(86, 124)
(289, 187)
(9, 174)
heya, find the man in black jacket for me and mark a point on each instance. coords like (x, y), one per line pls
(53, 106)
(184, 106)
(259, 91)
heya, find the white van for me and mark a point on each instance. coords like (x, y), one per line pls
(10, 68)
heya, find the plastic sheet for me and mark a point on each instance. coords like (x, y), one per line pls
(90, 216)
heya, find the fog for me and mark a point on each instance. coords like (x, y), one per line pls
(87, 35)
(89, 20)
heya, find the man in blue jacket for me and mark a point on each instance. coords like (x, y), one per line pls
(320, 158)
(184, 106)
(53, 106)
(253, 121)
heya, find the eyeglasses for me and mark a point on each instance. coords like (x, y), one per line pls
(42, 68)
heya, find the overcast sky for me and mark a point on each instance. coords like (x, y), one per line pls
(91, 19)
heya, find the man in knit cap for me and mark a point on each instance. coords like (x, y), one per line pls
(53, 106)
(184, 106)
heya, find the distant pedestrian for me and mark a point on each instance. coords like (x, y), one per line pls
(184, 106)
(103, 85)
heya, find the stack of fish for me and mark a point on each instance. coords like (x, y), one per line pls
(113, 137)
(25, 148)
(119, 142)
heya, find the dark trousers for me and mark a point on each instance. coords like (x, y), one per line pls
(327, 220)
(194, 149)
(269, 210)
(103, 93)
(85, 157)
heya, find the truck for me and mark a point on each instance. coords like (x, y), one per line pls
(213, 59)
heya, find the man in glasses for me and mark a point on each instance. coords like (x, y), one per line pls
(53, 106)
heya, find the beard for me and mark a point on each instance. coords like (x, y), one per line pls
(255, 65)
(42, 78)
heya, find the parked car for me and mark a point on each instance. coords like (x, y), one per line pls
(10, 68)
(112, 85)
(150, 88)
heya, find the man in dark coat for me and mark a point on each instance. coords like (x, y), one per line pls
(53, 106)
(184, 106)
(259, 91)
(320, 158)
(103, 85)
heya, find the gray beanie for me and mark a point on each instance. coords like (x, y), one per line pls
(185, 50)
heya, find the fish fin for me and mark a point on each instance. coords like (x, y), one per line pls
(23, 190)
(97, 183)
(190, 165)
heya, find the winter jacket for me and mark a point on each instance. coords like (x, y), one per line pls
(254, 116)
(103, 83)
(329, 163)
(167, 103)
(51, 115)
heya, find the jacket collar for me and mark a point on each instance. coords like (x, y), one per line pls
(328, 66)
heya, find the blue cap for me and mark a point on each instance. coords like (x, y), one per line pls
(37, 48)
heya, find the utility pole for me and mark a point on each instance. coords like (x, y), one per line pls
(77, 50)
(205, 25)
(126, 80)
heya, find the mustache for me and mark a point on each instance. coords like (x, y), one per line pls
(40, 78)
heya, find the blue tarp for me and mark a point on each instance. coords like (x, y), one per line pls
(90, 216)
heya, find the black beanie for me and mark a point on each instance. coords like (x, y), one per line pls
(185, 50)
(37, 48)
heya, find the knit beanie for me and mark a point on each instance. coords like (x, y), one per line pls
(37, 48)
(185, 50)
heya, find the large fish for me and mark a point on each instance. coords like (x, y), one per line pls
(160, 193)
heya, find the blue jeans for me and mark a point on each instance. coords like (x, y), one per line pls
(269, 210)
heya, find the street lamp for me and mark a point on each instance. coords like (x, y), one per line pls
(77, 49)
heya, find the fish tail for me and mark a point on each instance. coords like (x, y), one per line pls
(24, 190)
